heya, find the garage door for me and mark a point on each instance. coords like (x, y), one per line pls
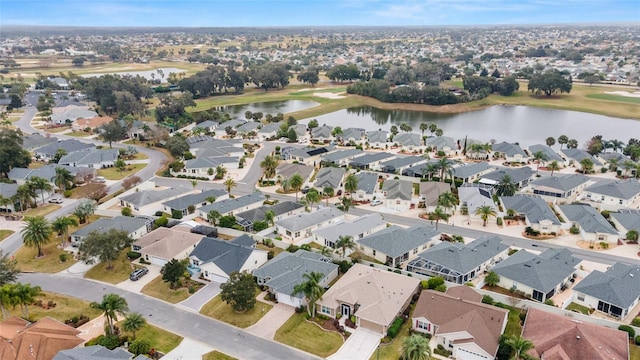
(289, 300)
(377, 328)
(157, 261)
(216, 278)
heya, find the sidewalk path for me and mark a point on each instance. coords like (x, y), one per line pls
(267, 326)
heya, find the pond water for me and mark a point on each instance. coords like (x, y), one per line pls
(271, 107)
(523, 124)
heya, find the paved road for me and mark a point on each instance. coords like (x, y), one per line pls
(225, 338)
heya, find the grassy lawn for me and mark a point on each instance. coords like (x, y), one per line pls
(218, 309)
(160, 339)
(5, 234)
(578, 308)
(140, 156)
(392, 350)
(79, 133)
(66, 307)
(613, 97)
(513, 323)
(216, 355)
(634, 352)
(113, 173)
(50, 263)
(42, 210)
(160, 289)
(119, 273)
(308, 337)
(36, 164)
(85, 190)
(276, 250)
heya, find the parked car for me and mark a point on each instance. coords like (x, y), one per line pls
(138, 273)
(99, 179)
(375, 202)
(56, 200)
(305, 189)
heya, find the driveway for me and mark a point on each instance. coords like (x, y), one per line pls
(188, 349)
(136, 286)
(196, 301)
(360, 345)
(271, 321)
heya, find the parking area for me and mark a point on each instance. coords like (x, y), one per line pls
(196, 301)
(359, 346)
(189, 349)
(136, 286)
(267, 326)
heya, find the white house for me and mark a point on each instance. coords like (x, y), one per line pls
(297, 228)
(356, 229)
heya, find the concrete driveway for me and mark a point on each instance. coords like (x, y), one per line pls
(271, 321)
(188, 349)
(136, 286)
(196, 301)
(360, 345)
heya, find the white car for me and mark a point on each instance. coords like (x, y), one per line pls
(56, 200)
(99, 179)
(375, 202)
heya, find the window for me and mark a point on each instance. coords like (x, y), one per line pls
(581, 297)
(325, 310)
(374, 253)
(297, 234)
(620, 202)
(288, 233)
(415, 251)
(398, 202)
(423, 325)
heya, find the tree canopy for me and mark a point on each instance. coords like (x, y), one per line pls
(105, 246)
(549, 82)
(239, 291)
(11, 152)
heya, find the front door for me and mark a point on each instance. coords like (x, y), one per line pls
(346, 310)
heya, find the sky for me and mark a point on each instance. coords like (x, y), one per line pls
(234, 13)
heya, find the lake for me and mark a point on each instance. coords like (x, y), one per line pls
(523, 124)
(271, 107)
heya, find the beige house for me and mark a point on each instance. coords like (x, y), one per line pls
(163, 244)
(373, 296)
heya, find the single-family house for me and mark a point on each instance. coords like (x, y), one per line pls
(60, 82)
(299, 227)
(21, 340)
(401, 164)
(356, 229)
(208, 126)
(398, 194)
(268, 131)
(69, 114)
(430, 191)
(571, 339)
(378, 139)
(573, 157)
(445, 144)
(96, 352)
(322, 134)
(511, 153)
(409, 142)
(206, 166)
(622, 164)
(220, 130)
(197, 143)
(538, 276)
(614, 292)
(470, 172)
(340, 157)
(134, 227)
(548, 153)
(470, 330)
(374, 296)
(163, 244)
(370, 161)
(559, 188)
(221, 151)
(282, 273)
(90, 123)
(352, 136)
(287, 170)
(368, 186)
(460, 263)
(281, 210)
(614, 195)
(308, 155)
(472, 196)
(36, 140)
(236, 205)
(149, 201)
(216, 259)
(395, 245)
(519, 176)
(189, 203)
(624, 220)
(250, 127)
(592, 225)
(535, 211)
(21, 175)
(90, 157)
(8, 191)
(48, 152)
(329, 177)
(302, 132)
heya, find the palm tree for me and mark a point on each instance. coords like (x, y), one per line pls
(133, 322)
(111, 305)
(120, 165)
(213, 216)
(328, 192)
(613, 164)
(8, 298)
(492, 278)
(229, 184)
(445, 167)
(429, 170)
(84, 210)
(572, 144)
(63, 178)
(5, 202)
(269, 165)
(296, 181)
(628, 165)
(269, 217)
(312, 197)
(36, 232)
(220, 172)
(447, 200)
(439, 214)
(345, 204)
(24, 194)
(345, 242)
(587, 165)
(424, 127)
(351, 184)
(25, 294)
(433, 128)
(194, 183)
(520, 347)
(311, 289)
(553, 166)
(485, 212)
(506, 187)
(563, 139)
(285, 185)
(416, 347)
(550, 141)
(38, 183)
(538, 157)
(61, 225)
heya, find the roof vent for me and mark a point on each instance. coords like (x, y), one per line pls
(577, 337)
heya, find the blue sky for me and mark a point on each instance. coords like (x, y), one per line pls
(212, 13)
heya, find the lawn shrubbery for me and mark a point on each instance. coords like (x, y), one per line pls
(395, 327)
(628, 329)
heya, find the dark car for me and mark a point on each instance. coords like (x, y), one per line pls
(138, 273)
(305, 189)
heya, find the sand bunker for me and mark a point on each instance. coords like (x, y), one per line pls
(329, 95)
(624, 93)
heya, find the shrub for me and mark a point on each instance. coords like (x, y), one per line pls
(499, 221)
(132, 255)
(628, 329)
(158, 213)
(126, 211)
(67, 193)
(300, 309)
(440, 350)
(162, 221)
(394, 329)
(176, 214)
(636, 321)
(549, 302)
(604, 245)
(292, 248)
(270, 254)
(522, 315)
(637, 340)
(434, 282)
(259, 226)
(140, 347)
(343, 265)
(424, 284)
(574, 230)
(63, 257)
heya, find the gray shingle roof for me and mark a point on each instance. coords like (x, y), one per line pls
(258, 214)
(619, 285)
(394, 164)
(46, 172)
(234, 123)
(185, 201)
(367, 181)
(464, 258)
(36, 140)
(287, 170)
(369, 158)
(271, 127)
(408, 139)
(227, 255)
(285, 271)
(508, 149)
(89, 156)
(124, 223)
(541, 272)
(323, 131)
(551, 155)
(621, 189)
(341, 154)
(395, 241)
(377, 136)
(561, 182)
(330, 176)
(8, 190)
(203, 142)
(590, 219)
(468, 170)
(210, 162)
(402, 189)
(306, 220)
(534, 208)
(95, 352)
(248, 127)
(146, 197)
(351, 228)
(630, 219)
(73, 114)
(441, 142)
(229, 205)
(69, 146)
(579, 154)
(355, 133)
(207, 124)
(517, 174)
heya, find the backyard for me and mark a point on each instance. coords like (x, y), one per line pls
(220, 310)
(309, 337)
